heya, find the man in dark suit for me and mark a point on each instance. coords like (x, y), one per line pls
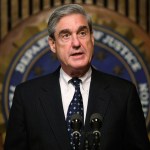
(39, 112)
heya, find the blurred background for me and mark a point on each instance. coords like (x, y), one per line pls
(21, 20)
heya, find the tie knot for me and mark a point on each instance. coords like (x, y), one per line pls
(75, 81)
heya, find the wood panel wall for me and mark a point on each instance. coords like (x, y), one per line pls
(14, 11)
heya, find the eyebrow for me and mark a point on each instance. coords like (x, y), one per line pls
(82, 28)
(68, 31)
(63, 31)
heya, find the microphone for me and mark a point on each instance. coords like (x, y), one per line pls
(76, 124)
(96, 124)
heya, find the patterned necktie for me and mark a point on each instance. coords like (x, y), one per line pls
(75, 107)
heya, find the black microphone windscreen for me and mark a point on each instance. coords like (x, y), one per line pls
(76, 122)
(96, 120)
(76, 116)
(96, 116)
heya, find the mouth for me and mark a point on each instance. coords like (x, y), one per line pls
(77, 54)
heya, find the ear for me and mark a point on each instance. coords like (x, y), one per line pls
(92, 38)
(51, 43)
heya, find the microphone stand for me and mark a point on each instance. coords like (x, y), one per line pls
(76, 139)
(76, 124)
(92, 141)
(86, 142)
(96, 124)
(96, 141)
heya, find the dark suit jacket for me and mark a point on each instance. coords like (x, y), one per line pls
(37, 119)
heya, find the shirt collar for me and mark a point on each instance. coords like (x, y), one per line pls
(86, 78)
(65, 77)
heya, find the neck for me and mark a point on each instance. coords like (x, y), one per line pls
(77, 72)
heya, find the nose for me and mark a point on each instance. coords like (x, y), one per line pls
(75, 42)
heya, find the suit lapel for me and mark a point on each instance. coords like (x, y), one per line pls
(99, 97)
(52, 105)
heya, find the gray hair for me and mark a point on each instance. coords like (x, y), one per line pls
(65, 10)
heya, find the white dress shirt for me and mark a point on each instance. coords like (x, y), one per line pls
(67, 90)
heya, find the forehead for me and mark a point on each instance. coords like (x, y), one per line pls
(71, 22)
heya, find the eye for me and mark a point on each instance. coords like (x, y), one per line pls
(65, 36)
(82, 33)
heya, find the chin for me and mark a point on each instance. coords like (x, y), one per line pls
(80, 67)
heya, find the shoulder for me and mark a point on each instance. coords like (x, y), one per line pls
(111, 80)
(40, 81)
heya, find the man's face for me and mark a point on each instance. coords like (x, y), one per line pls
(73, 42)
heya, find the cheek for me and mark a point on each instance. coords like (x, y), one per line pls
(89, 48)
(62, 54)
